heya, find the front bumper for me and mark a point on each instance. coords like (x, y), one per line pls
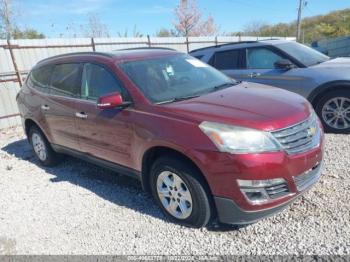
(230, 213)
(223, 171)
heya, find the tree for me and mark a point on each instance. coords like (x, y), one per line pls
(95, 28)
(188, 20)
(6, 18)
(163, 32)
(254, 28)
(135, 33)
(208, 27)
(8, 27)
(27, 34)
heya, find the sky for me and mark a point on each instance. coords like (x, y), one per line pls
(52, 17)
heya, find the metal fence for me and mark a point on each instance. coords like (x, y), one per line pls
(18, 56)
(335, 47)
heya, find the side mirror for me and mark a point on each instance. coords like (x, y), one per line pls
(111, 100)
(284, 64)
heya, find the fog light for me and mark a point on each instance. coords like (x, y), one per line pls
(255, 190)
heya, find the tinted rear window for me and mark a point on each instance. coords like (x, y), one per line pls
(226, 60)
(66, 80)
(40, 78)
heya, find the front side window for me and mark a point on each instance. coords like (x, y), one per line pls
(226, 60)
(261, 58)
(66, 80)
(97, 82)
(40, 77)
(174, 77)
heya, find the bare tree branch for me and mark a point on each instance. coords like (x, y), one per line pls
(95, 28)
(6, 18)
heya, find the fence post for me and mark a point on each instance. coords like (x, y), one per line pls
(14, 63)
(93, 44)
(149, 41)
(187, 45)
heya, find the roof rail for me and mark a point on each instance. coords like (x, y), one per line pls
(76, 53)
(146, 47)
(217, 46)
(235, 43)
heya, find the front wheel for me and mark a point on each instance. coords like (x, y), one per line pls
(180, 192)
(334, 111)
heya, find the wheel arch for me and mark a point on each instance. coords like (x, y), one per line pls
(28, 123)
(321, 90)
(155, 152)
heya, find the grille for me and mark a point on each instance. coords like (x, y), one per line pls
(277, 191)
(300, 137)
(308, 178)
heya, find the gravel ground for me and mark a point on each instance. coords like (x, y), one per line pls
(78, 208)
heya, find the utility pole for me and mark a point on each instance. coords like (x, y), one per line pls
(302, 3)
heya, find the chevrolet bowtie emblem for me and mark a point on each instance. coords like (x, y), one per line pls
(311, 131)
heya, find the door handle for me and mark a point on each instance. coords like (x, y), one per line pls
(45, 107)
(254, 74)
(81, 115)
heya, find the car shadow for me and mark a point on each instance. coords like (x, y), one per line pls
(117, 189)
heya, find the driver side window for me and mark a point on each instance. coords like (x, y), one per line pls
(98, 81)
(261, 58)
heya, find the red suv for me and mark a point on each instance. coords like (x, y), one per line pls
(203, 144)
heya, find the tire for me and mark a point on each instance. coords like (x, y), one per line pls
(327, 107)
(42, 148)
(186, 181)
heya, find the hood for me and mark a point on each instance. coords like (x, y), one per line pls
(340, 62)
(247, 104)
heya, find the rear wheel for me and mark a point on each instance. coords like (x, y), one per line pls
(334, 111)
(180, 192)
(42, 147)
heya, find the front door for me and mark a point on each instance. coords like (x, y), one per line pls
(104, 134)
(260, 68)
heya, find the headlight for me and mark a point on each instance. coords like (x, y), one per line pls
(236, 140)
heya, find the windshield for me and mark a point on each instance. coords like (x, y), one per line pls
(302, 53)
(175, 77)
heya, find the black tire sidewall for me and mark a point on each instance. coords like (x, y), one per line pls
(324, 99)
(201, 211)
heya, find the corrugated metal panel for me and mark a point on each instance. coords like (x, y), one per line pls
(8, 105)
(28, 52)
(336, 47)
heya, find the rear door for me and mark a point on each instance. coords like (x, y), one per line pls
(104, 134)
(230, 62)
(61, 104)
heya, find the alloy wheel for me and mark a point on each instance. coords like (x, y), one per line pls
(39, 146)
(336, 112)
(174, 195)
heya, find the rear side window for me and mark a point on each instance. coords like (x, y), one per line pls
(66, 80)
(226, 60)
(40, 78)
(98, 81)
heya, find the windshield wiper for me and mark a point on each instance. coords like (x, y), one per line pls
(177, 99)
(225, 85)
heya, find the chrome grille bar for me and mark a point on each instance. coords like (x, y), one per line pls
(299, 137)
